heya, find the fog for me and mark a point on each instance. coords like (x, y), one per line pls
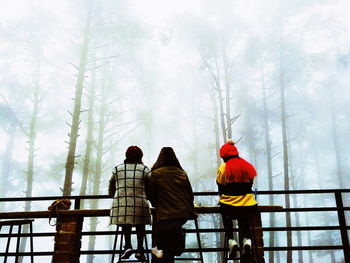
(272, 75)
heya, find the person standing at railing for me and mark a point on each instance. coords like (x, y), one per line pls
(128, 187)
(234, 179)
(172, 197)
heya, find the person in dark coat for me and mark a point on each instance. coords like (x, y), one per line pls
(172, 197)
(128, 186)
(234, 179)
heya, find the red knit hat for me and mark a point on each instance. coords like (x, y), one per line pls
(228, 150)
(237, 169)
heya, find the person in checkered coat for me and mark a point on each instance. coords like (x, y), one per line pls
(128, 186)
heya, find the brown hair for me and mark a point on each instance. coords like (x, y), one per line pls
(166, 157)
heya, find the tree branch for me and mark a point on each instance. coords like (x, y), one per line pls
(15, 116)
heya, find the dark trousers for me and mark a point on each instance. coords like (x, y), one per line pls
(140, 232)
(243, 225)
(242, 215)
(168, 236)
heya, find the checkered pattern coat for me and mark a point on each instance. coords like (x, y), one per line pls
(128, 188)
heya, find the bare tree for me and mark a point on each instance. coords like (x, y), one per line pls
(336, 142)
(309, 241)
(219, 70)
(100, 151)
(285, 145)
(74, 127)
(216, 128)
(35, 92)
(89, 134)
(297, 215)
(268, 161)
(227, 65)
(9, 123)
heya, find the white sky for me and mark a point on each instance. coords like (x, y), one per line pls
(171, 59)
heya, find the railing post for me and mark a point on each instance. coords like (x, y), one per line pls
(77, 203)
(198, 240)
(342, 225)
(68, 239)
(257, 236)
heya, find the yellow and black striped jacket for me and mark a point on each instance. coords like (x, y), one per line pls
(237, 194)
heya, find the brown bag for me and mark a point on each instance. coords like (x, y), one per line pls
(60, 204)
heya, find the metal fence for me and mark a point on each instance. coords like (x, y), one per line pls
(339, 208)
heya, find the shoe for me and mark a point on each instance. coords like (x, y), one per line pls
(158, 253)
(140, 256)
(247, 246)
(232, 248)
(127, 253)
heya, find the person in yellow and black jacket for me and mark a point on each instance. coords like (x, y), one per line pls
(235, 179)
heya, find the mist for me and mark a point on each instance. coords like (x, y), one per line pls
(82, 80)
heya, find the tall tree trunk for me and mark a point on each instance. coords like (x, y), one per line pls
(227, 97)
(149, 117)
(318, 169)
(309, 241)
(268, 163)
(216, 129)
(320, 186)
(248, 126)
(195, 141)
(222, 113)
(89, 135)
(335, 135)
(216, 86)
(74, 127)
(285, 149)
(32, 136)
(149, 96)
(297, 223)
(6, 165)
(215, 74)
(219, 237)
(98, 168)
(31, 151)
(278, 254)
(217, 221)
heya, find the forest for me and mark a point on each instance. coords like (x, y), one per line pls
(82, 80)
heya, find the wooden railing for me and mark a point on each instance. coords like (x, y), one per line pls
(340, 209)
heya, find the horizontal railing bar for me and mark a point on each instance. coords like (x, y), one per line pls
(311, 209)
(106, 212)
(188, 259)
(12, 254)
(310, 191)
(301, 228)
(187, 230)
(48, 234)
(267, 192)
(48, 198)
(201, 210)
(263, 192)
(303, 248)
(187, 250)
